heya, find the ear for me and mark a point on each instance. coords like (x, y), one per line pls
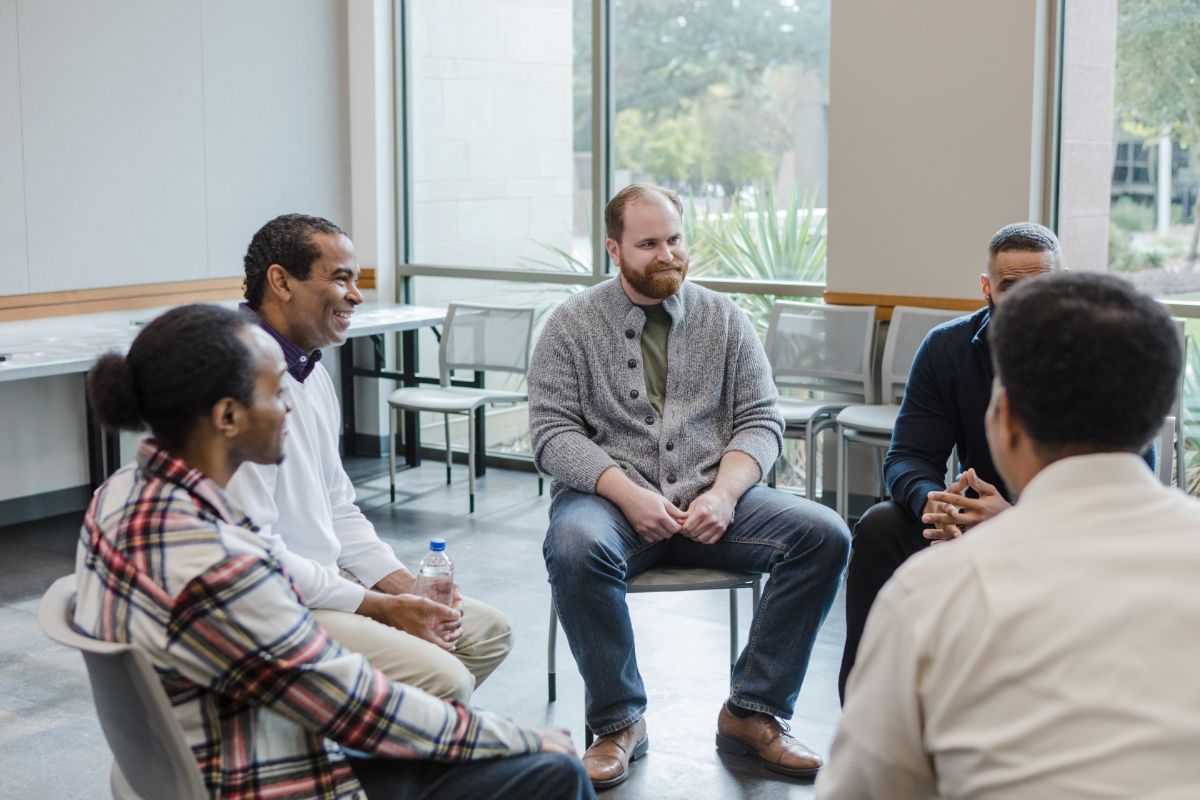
(226, 417)
(1010, 427)
(613, 250)
(279, 282)
(986, 285)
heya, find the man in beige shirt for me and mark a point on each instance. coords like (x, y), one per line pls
(1053, 653)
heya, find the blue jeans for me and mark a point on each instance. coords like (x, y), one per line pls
(540, 776)
(591, 551)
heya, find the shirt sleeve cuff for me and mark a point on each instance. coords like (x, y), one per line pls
(758, 443)
(380, 567)
(920, 495)
(345, 596)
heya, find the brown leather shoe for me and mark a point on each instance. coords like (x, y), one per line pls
(768, 739)
(607, 760)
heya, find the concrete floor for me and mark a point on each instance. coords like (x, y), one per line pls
(51, 745)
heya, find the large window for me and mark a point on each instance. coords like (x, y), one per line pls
(725, 101)
(1129, 175)
(499, 177)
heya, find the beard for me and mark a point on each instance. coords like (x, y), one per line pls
(658, 281)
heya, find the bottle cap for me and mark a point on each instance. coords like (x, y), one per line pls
(437, 545)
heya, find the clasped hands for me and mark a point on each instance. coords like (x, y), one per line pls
(391, 602)
(950, 513)
(655, 518)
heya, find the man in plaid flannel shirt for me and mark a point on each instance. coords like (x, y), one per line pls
(266, 699)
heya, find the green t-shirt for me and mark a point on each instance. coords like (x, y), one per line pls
(654, 353)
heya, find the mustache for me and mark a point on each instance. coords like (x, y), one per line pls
(677, 263)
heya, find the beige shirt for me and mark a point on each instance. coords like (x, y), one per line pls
(1053, 652)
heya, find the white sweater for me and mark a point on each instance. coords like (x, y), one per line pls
(305, 506)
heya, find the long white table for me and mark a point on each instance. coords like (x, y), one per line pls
(69, 345)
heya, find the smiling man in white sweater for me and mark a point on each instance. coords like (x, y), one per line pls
(301, 287)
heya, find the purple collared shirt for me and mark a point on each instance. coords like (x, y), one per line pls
(299, 364)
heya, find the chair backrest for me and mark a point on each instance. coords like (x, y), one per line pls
(906, 331)
(484, 337)
(145, 737)
(823, 348)
(1165, 451)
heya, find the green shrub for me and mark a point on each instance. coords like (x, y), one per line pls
(1131, 216)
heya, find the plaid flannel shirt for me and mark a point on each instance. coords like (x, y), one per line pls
(264, 696)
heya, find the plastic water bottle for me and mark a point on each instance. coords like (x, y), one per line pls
(435, 576)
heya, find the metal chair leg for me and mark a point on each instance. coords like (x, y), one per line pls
(810, 463)
(843, 482)
(733, 630)
(449, 455)
(551, 646)
(471, 459)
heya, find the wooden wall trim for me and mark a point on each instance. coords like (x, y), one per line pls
(884, 303)
(119, 298)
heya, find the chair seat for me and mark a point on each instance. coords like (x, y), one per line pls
(450, 399)
(683, 579)
(798, 413)
(869, 419)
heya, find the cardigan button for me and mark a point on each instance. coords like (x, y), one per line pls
(649, 420)
(634, 394)
(670, 446)
(670, 479)
(632, 363)
(675, 502)
(629, 334)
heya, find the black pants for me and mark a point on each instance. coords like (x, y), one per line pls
(885, 537)
(533, 777)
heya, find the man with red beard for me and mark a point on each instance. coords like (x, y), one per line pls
(651, 404)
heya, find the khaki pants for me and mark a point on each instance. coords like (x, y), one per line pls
(485, 641)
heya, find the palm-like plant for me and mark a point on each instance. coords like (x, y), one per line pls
(760, 244)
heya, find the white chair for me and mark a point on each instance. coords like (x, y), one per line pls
(873, 424)
(478, 338)
(669, 579)
(826, 351)
(151, 759)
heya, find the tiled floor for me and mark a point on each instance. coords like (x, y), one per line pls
(51, 745)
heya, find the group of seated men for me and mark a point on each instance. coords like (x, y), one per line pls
(1044, 654)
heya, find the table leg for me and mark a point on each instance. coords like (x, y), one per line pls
(95, 446)
(346, 371)
(412, 432)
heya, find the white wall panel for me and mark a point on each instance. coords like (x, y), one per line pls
(275, 97)
(14, 262)
(112, 100)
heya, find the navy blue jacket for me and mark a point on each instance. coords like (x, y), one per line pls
(945, 400)
(944, 403)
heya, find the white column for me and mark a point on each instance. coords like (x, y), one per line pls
(369, 25)
(1163, 191)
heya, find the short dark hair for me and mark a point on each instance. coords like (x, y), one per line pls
(1089, 363)
(614, 212)
(1025, 237)
(286, 241)
(177, 368)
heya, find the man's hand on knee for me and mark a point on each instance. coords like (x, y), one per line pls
(708, 517)
(650, 514)
(418, 616)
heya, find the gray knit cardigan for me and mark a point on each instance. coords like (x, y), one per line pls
(589, 410)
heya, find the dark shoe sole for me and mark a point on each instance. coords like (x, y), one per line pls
(640, 749)
(734, 747)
